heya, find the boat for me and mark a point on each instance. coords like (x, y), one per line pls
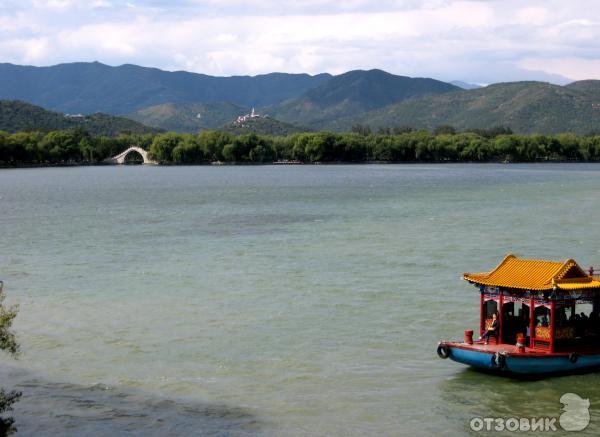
(288, 162)
(547, 320)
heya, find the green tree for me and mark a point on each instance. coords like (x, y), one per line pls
(258, 154)
(29, 143)
(478, 149)
(352, 147)
(213, 143)
(569, 146)
(298, 144)
(61, 146)
(9, 344)
(189, 151)
(162, 147)
(5, 148)
(321, 147)
(229, 153)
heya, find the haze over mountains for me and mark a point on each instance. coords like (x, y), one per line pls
(189, 102)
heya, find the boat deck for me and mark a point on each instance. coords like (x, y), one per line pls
(492, 348)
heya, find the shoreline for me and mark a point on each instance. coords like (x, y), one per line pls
(276, 164)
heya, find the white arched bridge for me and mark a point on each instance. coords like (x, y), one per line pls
(120, 158)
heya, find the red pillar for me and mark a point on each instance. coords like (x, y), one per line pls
(500, 317)
(531, 321)
(552, 324)
(481, 314)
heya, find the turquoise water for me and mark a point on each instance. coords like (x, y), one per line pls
(303, 300)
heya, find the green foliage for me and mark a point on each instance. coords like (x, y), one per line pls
(189, 151)
(214, 143)
(7, 337)
(250, 148)
(7, 399)
(60, 146)
(9, 344)
(163, 145)
(497, 144)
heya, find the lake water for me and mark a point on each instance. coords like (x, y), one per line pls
(304, 300)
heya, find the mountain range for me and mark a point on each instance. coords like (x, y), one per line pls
(188, 102)
(94, 87)
(525, 107)
(352, 94)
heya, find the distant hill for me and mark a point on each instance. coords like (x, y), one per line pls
(465, 85)
(525, 107)
(188, 117)
(91, 87)
(589, 87)
(18, 116)
(262, 126)
(351, 94)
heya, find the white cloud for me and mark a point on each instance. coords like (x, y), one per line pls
(100, 4)
(479, 41)
(532, 16)
(53, 4)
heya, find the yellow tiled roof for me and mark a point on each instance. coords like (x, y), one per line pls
(533, 274)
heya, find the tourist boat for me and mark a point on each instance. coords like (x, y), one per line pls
(547, 314)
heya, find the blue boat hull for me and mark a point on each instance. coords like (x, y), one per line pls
(522, 364)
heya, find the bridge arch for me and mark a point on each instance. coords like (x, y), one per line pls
(120, 158)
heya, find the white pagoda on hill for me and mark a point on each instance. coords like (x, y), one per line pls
(243, 118)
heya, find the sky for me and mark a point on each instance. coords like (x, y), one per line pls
(478, 41)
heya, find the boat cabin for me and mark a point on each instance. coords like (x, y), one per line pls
(552, 306)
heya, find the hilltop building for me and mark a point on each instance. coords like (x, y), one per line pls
(243, 118)
(75, 116)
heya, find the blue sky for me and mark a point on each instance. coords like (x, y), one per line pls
(477, 41)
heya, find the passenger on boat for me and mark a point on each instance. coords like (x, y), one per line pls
(492, 330)
(593, 322)
(579, 326)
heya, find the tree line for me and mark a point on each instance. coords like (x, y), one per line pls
(399, 145)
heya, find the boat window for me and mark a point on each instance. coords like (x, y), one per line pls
(584, 320)
(491, 307)
(542, 316)
(515, 321)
